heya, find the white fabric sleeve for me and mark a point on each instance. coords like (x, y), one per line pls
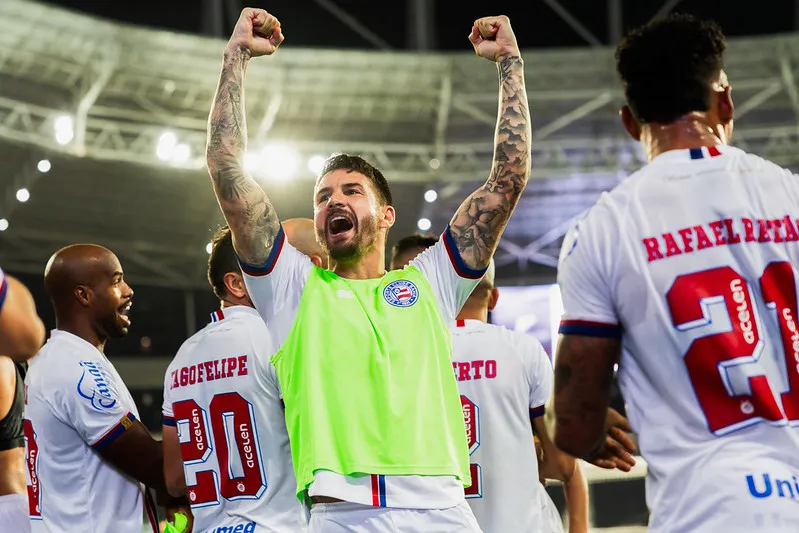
(276, 286)
(451, 279)
(537, 370)
(3, 288)
(263, 350)
(167, 414)
(90, 401)
(585, 261)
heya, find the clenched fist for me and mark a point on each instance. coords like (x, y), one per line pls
(493, 38)
(257, 32)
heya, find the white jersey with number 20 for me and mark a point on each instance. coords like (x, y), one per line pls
(692, 261)
(222, 394)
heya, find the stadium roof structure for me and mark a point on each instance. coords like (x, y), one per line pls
(95, 98)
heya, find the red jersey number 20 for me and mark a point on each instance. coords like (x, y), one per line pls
(730, 384)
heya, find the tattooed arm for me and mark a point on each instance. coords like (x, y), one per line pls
(252, 220)
(481, 219)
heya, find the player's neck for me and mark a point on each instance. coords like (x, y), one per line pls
(691, 131)
(474, 313)
(368, 266)
(84, 330)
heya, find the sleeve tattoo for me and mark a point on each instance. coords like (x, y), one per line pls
(247, 209)
(480, 220)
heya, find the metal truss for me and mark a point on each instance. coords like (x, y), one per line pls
(426, 118)
(422, 117)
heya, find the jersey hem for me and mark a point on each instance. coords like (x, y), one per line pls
(461, 268)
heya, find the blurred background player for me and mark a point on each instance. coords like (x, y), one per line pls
(376, 428)
(224, 370)
(690, 262)
(87, 452)
(505, 379)
(21, 329)
(21, 336)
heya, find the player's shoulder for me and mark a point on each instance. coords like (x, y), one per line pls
(62, 357)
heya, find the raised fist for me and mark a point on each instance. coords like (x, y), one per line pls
(256, 32)
(493, 38)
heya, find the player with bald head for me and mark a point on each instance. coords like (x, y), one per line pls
(87, 452)
(224, 370)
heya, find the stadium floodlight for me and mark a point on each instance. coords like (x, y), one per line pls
(435, 163)
(181, 154)
(281, 161)
(430, 196)
(315, 164)
(167, 143)
(23, 195)
(44, 166)
(64, 128)
(424, 224)
(3, 224)
(252, 162)
(209, 248)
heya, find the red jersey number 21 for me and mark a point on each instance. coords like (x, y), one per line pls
(719, 363)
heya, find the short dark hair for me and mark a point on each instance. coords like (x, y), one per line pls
(667, 67)
(356, 163)
(221, 261)
(411, 242)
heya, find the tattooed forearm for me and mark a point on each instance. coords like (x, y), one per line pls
(247, 209)
(480, 220)
(583, 375)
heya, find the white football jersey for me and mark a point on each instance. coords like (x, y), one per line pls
(691, 261)
(277, 286)
(75, 405)
(505, 379)
(221, 392)
(551, 521)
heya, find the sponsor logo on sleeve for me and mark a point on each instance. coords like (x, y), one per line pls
(93, 385)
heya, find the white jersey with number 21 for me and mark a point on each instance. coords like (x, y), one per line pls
(222, 394)
(692, 261)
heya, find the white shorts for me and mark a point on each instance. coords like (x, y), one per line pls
(348, 517)
(15, 513)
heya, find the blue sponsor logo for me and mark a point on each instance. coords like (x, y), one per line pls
(241, 528)
(401, 293)
(92, 386)
(763, 486)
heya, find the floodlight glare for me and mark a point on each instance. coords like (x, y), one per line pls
(64, 129)
(23, 195)
(3, 224)
(43, 166)
(424, 224)
(315, 164)
(430, 196)
(280, 160)
(166, 146)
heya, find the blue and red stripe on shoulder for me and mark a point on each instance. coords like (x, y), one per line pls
(168, 421)
(3, 289)
(537, 412)
(271, 261)
(112, 434)
(462, 269)
(588, 328)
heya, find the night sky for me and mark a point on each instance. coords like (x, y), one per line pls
(307, 24)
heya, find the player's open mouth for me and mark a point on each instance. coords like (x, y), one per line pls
(338, 225)
(123, 312)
